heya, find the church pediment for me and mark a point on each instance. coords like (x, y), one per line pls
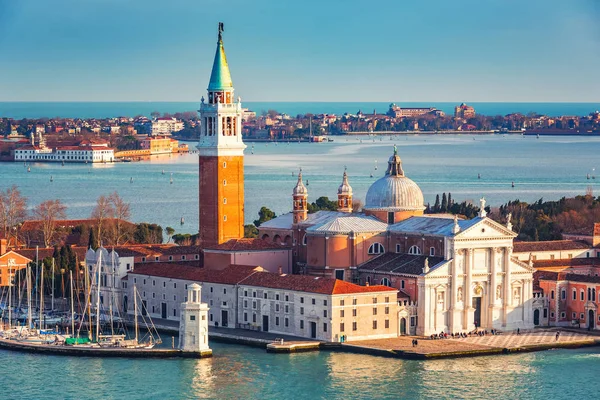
(520, 267)
(14, 259)
(486, 228)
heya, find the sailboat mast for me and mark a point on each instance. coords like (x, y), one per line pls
(72, 306)
(112, 292)
(10, 286)
(88, 293)
(42, 298)
(29, 296)
(135, 311)
(98, 296)
(52, 298)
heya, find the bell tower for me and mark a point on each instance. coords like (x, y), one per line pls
(345, 195)
(221, 155)
(300, 196)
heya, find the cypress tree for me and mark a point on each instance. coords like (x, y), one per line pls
(93, 240)
(449, 200)
(444, 202)
(436, 206)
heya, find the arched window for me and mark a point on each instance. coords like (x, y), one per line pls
(368, 280)
(386, 282)
(414, 250)
(304, 240)
(376, 248)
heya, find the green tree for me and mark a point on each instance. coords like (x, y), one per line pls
(250, 231)
(170, 232)
(436, 206)
(92, 239)
(322, 204)
(444, 207)
(264, 215)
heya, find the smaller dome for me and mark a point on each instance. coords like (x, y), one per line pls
(300, 189)
(345, 187)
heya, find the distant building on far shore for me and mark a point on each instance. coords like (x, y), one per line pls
(166, 126)
(464, 111)
(410, 112)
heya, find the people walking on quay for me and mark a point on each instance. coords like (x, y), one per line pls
(557, 335)
(518, 331)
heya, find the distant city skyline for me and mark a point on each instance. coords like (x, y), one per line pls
(438, 51)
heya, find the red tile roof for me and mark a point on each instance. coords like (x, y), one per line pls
(569, 262)
(311, 284)
(187, 271)
(565, 276)
(551, 245)
(247, 244)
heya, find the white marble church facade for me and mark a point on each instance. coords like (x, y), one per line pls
(478, 285)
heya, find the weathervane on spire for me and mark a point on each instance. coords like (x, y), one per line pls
(221, 29)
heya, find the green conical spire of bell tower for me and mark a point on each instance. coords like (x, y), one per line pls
(220, 78)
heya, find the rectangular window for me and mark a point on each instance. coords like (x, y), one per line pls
(342, 303)
(324, 313)
(563, 315)
(374, 300)
(551, 315)
(324, 302)
(245, 293)
(387, 310)
(552, 256)
(277, 307)
(324, 327)
(387, 299)
(254, 318)
(277, 296)
(582, 295)
(354, 327)
(374, 324)
(253, 294)
(398, 248)
(254, 304)
(342, 327)
(245, 317)
(574, 294)
(552, 294)
(545, 313)
(413, 321)
(354, 312)
(265, 295)
(245, 303)
(341, 313)
(301, 324)
(563, 294)
(301, 300)
(374, 310)
(301, 310)
(224, 290)
(277, 321)
(193, 317)
(574, 315)
(402, 284)
(353, 302)
(287, 309)
(287, 322)
(314, 301)
(432, 251)
(287, 298)
(387, 324)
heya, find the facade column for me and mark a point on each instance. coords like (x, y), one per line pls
(467, 293)
(422, 307)
(492, 285)
(507, 293)
(453, 309)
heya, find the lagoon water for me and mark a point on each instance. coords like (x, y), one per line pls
(548, 167)
(237, 372)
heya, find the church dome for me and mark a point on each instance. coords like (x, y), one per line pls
(394, 191)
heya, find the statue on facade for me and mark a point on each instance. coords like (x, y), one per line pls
(508, 223)
(482, 212)
(499, 292)
(426, 266)
(459, 295)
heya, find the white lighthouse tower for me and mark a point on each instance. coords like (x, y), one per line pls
(193, 326)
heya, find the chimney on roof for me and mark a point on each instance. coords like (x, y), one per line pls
(3, 246)
(280, 270)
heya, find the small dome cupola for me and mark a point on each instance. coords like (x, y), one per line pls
(345, 187)
(300, 189)
(395, 165)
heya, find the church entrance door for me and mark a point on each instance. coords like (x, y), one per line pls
(477, 314)
(403, 326)
(536, 317)
(591, 319)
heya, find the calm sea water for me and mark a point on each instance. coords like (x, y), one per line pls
(115, 109)
(237, 372)
(548, 167)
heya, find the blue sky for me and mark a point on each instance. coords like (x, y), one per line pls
(282, 50)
